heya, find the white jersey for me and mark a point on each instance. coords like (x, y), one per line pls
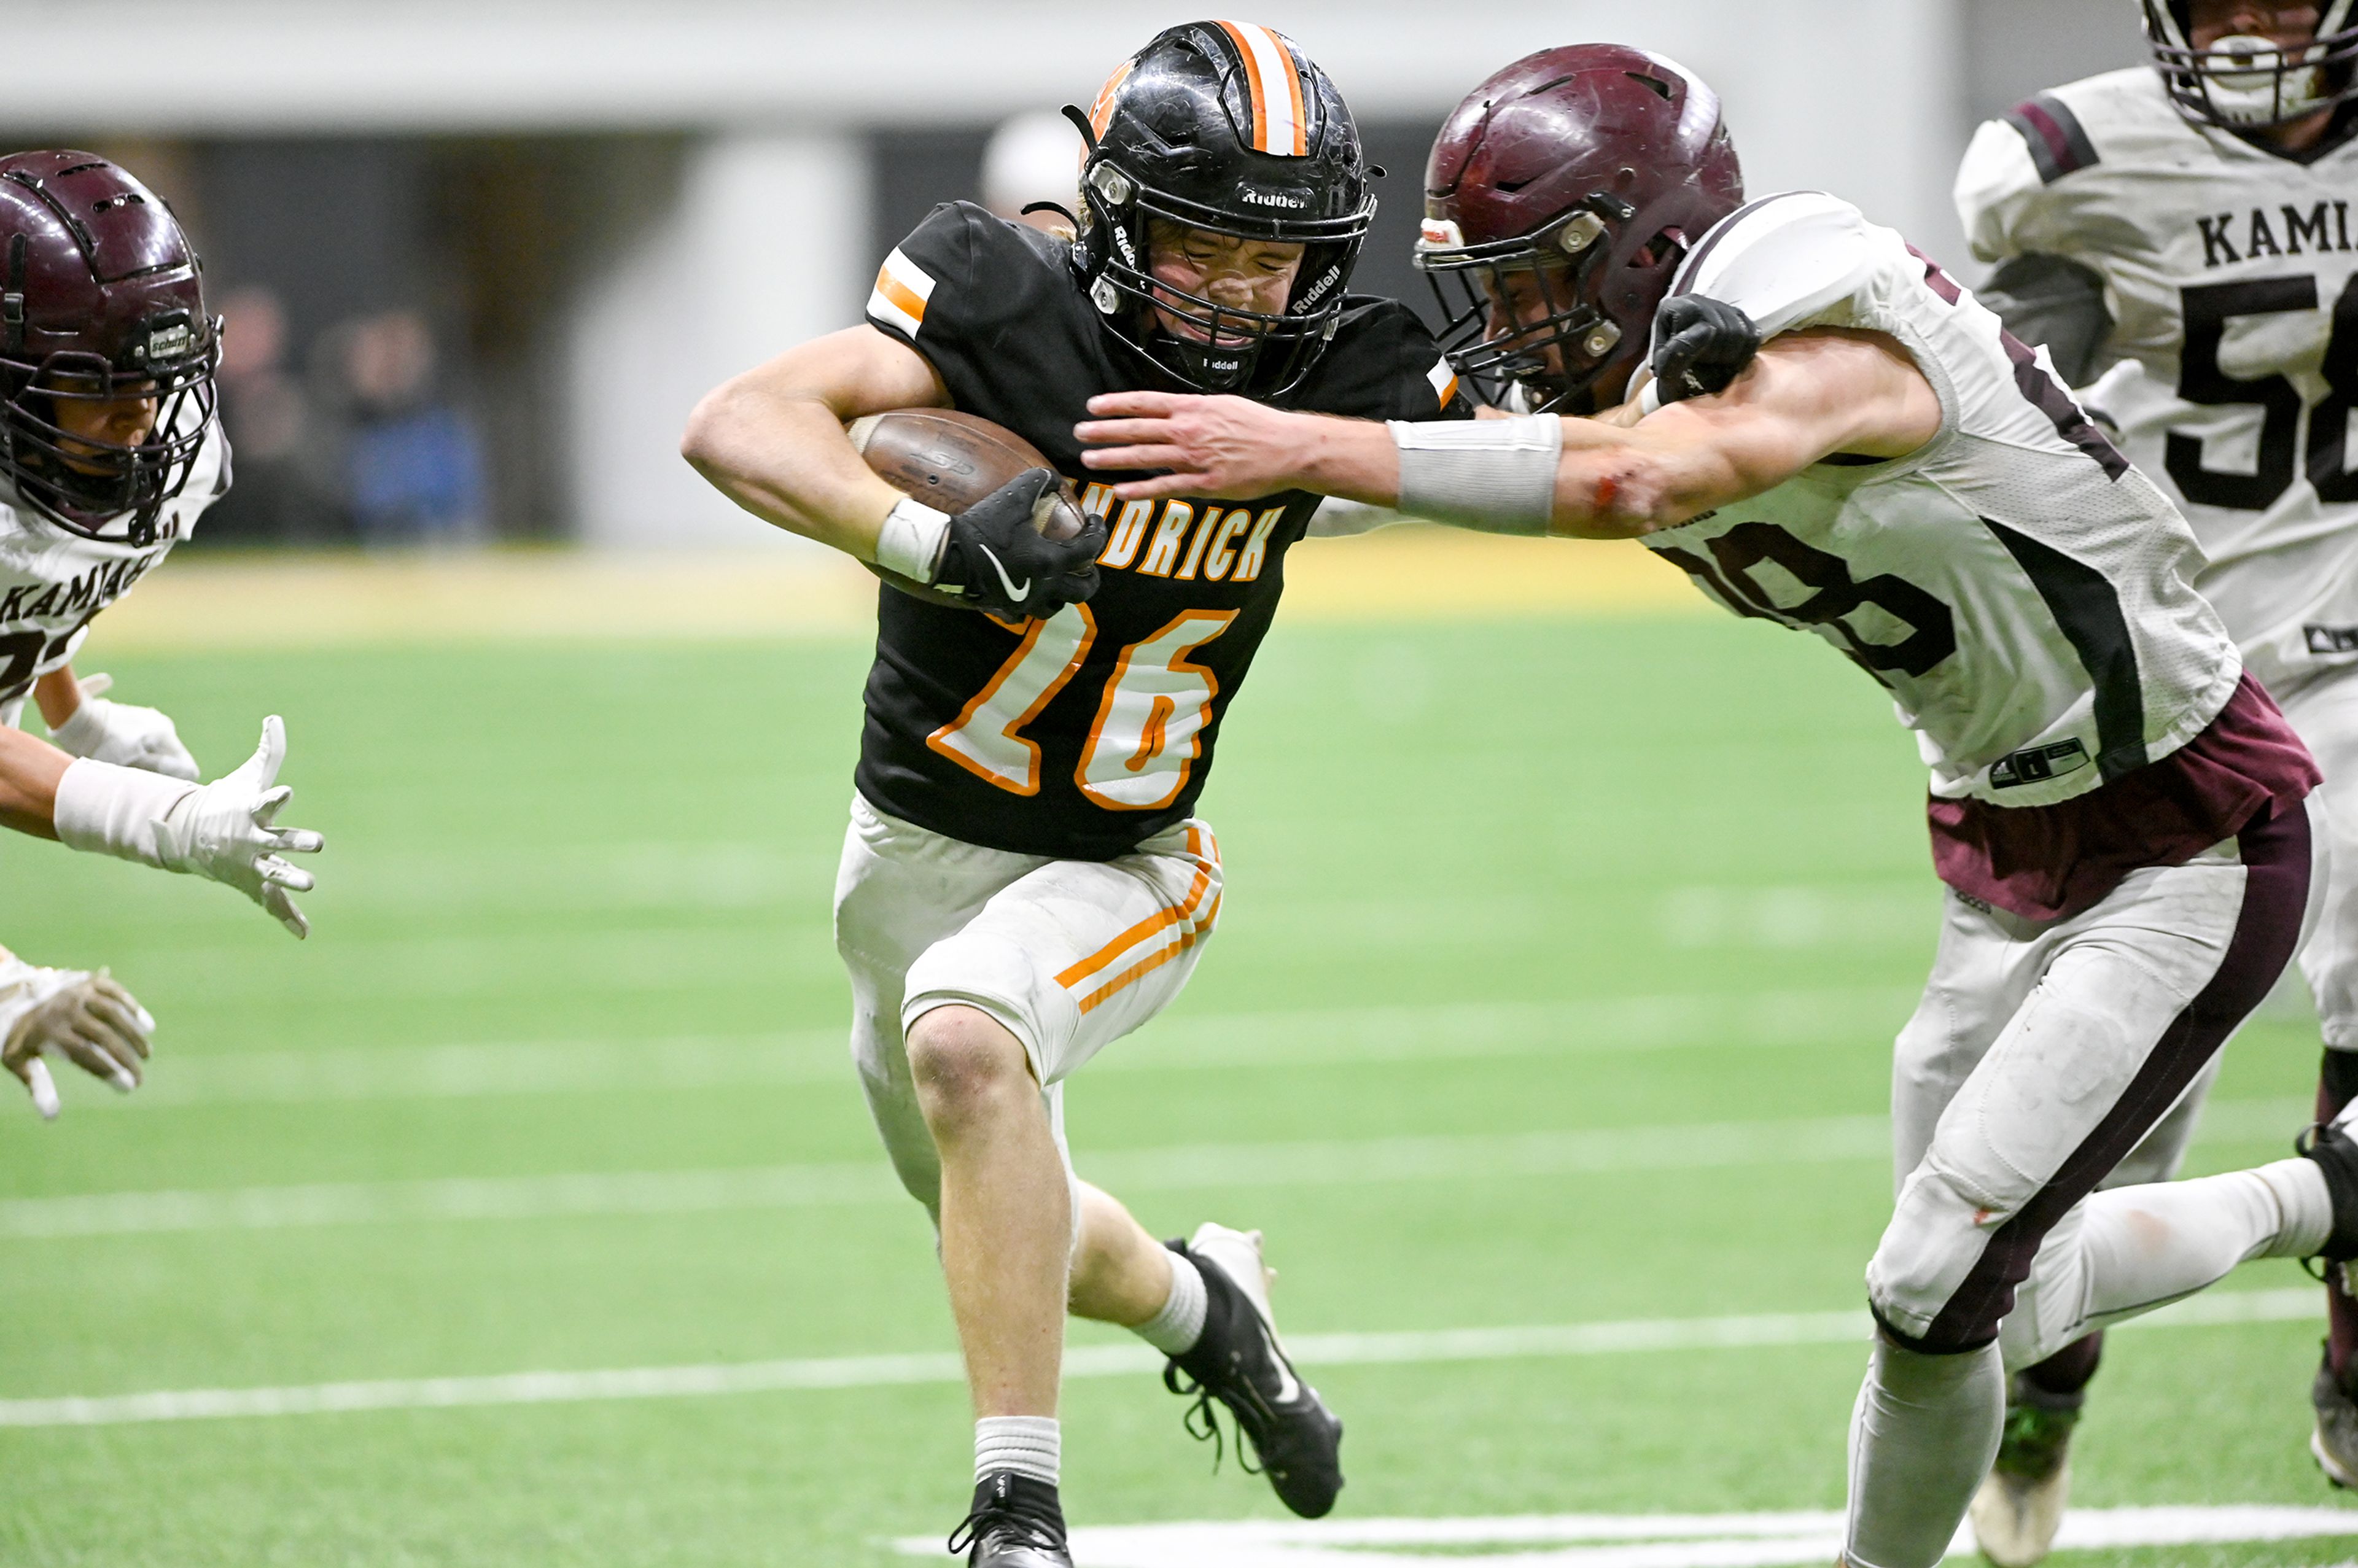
(2024, 594)
(53, 582)
(2233, 355)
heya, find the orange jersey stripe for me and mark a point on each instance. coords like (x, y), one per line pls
(900, 294)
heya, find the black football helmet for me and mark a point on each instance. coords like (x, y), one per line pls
(102, 297)
(2248, 84)
(1226, 126)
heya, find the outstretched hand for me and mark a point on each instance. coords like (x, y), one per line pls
(228, 831)
(1223, 448)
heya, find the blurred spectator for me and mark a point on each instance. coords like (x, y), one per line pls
(413, 462)
(283, 466)
(1035, 156)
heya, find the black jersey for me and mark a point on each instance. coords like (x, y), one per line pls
(1077, 736)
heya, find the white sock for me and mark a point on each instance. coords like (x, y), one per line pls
(2135, 1248)
(1921, 1438)
(2304, 1207)
(1030, 1445)
(1174, 1329)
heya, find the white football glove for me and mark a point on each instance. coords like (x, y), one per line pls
(86, 1018)
(224, 831)
(125, 734)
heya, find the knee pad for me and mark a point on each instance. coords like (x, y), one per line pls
(1938, 1235)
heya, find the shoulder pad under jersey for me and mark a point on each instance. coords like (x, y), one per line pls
(964, 271)
(1782, 259)
(2016, 190)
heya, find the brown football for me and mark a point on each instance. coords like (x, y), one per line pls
(951, 461)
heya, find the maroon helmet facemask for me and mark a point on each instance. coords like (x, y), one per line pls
(1561, 196)
(101, 300)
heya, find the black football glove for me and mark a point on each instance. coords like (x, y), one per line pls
(999, 560)
(1700, 345)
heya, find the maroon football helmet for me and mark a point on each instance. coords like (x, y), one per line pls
(1560, 197)
(101, 300)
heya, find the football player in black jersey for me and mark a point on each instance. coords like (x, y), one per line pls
(1024, 880)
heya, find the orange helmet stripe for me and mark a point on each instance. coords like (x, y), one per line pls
(1274, 83)
(1101, 111)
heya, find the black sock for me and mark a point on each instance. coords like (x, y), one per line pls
(2064, 1375)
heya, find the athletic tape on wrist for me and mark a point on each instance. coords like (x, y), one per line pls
(1497, 475)
(108, 810)
(909, 544)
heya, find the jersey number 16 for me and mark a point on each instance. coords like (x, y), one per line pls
(1149, 723)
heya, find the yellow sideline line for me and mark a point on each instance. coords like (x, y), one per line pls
(525, 595)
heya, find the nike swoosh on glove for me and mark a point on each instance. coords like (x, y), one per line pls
(224, 831)
(1700, 346)
(125, 734)
(1000, 562)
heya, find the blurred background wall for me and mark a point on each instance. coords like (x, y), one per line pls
(480, 259)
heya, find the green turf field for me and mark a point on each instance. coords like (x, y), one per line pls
(1554, 988)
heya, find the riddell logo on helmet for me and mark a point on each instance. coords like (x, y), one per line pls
(1318, 291)
(1251, 198)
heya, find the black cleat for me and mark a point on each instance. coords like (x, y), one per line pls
(2329, 1144)
(1240, 1362)
(1017, 1522)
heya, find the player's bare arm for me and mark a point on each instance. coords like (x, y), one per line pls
(773, 439)
(57, 695)
(1805, 397)
(29, 772)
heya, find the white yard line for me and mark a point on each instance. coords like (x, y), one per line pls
(1189, 1167)
(1415, 1347)
(1183, 1168)
(1188, 1042)
(1635, 1541)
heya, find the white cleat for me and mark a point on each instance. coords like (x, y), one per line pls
(2334, 1440)
(2015, 1520)
(2020, 1504)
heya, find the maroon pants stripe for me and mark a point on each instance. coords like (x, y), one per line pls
(2275, 857)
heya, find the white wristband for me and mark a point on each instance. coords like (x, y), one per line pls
(910, 543)
(1497, 475)
(109, 810)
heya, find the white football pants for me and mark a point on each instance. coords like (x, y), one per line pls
(1068, 954)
